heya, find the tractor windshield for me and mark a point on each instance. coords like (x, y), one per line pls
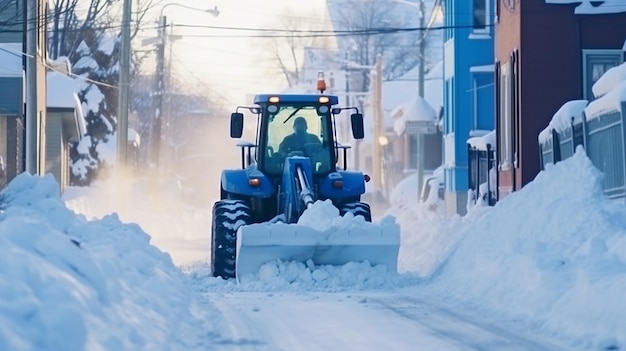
(298, 130)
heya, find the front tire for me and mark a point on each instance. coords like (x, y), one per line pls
(357, 209)
(228, 216)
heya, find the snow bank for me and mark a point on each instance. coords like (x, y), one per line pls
(71, 284)
(553, 253)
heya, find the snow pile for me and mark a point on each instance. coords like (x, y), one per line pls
(71, 284)
(553, 254)
(404, 195)
(295, 276)
(323, 216)
(299, 275)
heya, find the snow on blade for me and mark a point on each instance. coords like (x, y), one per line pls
(321, 236)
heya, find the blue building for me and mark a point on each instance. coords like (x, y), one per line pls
(468, 90)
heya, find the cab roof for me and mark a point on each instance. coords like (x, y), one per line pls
(312, 98)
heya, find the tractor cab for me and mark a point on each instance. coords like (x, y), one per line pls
(294, 125)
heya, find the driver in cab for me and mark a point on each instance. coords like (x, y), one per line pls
(297, 140)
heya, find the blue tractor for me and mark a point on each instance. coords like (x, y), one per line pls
(280, 176)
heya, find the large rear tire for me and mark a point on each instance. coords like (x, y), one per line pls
(228, 216)
(357, 209)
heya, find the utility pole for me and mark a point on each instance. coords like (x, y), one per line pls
(167, 90)
(422, 60)
(124, 77)
(154, 153)
(155, 132)
(31, 87)
(346, 128)
(377, 117)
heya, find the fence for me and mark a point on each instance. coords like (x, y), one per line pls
(480, 162)
(602, 135)
(605, 148)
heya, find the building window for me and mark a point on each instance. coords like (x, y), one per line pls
(595, 63)
(506, 132)
(449, 110)
(482, 99)
(480, 15)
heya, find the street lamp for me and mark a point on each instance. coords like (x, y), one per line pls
(214, 11)
(155, 134)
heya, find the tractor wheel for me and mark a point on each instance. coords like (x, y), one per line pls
(357, 209)
(228, 216)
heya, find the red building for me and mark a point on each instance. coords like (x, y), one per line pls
(546, 54)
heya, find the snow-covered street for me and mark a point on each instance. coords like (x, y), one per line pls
(492, 280)
(361, 320)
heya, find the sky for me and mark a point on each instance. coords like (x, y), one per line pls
(549, 259)
(233, 67)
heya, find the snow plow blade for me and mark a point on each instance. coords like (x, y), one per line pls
(258, 244)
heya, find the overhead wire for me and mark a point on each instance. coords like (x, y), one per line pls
(52, 68)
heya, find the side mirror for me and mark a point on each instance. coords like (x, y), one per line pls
(356, 120)
(236, 125)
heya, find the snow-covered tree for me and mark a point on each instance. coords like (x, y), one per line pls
(87, 33)
(99, 68)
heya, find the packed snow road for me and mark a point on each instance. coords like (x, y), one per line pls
(353, 321)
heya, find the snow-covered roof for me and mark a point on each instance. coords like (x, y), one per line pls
(610, 102)
(11, 60)
(609, 80)
(61, 65)
(587, 8)
(481, 142)
(562, 119)
(417, 109)
(61, 90)
(400, 97)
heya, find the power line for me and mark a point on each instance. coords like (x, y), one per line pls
(325, 34)
(73, 75)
